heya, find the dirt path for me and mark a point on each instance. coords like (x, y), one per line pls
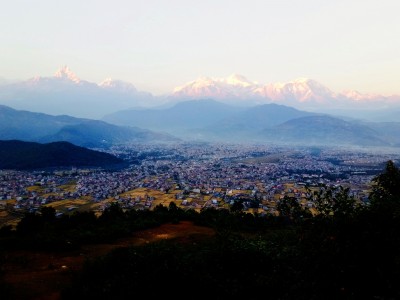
(42, 275)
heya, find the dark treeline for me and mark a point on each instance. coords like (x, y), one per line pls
(347, 251)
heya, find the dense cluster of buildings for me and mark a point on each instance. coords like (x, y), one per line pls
(201, 175)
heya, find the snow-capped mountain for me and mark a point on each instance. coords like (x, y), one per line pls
(66, 74)
(63, 79)
(232, 87)
(301, 93)
(66, 93)
(117, 85)
(302, 90)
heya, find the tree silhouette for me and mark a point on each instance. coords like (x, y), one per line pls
(334, 201)
(386, 190)
(289, 207)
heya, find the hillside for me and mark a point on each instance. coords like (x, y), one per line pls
(101, 134)
(204, 120)
(26, 125)
(179, 119)
(248, 123)
(43, 128)
(323, 130)
(21, 155)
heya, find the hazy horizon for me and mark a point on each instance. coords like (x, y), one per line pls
(159, 45)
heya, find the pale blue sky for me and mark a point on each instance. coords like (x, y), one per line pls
(157, 45)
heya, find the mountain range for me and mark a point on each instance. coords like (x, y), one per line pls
(40, 127)
(210, 120)
(199, 120)
(231, 109)
(303, 93)
(66, 93)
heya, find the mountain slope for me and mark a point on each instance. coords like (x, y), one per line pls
(28, 155)
(302, 93)
(389, 131)
(178, 119)
(65, 93)
(262, 116)
(246, 124)
(26, 125)
(210, 120)
(29, 126)
(323, 130)
(101, 134)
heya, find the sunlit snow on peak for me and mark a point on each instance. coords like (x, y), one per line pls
(65, 73)
(237, 79)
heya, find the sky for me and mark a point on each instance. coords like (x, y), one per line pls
(158, 45)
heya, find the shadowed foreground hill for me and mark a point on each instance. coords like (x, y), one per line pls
(28, 155)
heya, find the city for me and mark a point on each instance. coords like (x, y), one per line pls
(194, 176)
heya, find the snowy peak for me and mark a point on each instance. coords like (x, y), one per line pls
(237, 80)
(302, 93)
(109, 83)
(119, 85)
(239, 87)
(203, 87)
(301, 90)
(357, 96)
(234, 86)
(66, 74)
(198, 83)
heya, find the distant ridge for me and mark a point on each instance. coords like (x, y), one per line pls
(180, 118)
(21, 155)
(39, 127)
(209, 120)
(324, 130)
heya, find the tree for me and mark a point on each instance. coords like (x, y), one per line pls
(289, 207)
(172, 207)
(175, 212)
(344, 204)
(30, 223)
(386, 189)
(112, 213)
(334, 201)
(237, 206)
(48, 213)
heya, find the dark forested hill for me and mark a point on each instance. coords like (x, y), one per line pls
(29, 155)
